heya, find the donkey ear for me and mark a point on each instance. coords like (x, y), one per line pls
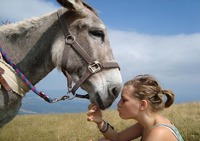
(74, 5)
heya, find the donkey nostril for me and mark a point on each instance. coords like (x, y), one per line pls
(115, 92)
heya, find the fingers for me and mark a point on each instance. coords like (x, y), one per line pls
(92, 109)
(90, 118)
(94, 114)
(92, 106)
(90, 112)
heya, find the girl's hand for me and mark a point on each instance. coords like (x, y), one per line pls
(94, 114)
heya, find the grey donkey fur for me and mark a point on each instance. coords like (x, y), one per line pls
(37, 46)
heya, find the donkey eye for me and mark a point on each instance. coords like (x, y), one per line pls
(97, 34)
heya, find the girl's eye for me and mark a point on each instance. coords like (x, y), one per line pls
(123, 100)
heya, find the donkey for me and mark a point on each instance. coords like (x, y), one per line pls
(38, 45)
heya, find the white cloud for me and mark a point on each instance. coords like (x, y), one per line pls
(169, 55)
(16, 10)
(173, 60)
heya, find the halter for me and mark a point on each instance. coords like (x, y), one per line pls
(94, 66)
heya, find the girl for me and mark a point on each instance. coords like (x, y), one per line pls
(142, 100)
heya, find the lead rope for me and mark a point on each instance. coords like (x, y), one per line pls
(28, 83)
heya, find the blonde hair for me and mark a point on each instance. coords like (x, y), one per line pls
(146, 87)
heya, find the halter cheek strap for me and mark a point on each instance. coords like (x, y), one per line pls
(94, 66)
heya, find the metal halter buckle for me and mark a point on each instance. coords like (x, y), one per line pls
(94, 67)
(69, 39)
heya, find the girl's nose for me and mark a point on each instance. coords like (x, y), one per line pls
(119, 103)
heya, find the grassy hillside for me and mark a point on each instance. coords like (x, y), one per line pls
(74, 127)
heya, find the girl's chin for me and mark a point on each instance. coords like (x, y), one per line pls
(120, 115)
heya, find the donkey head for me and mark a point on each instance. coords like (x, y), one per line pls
(90, 33)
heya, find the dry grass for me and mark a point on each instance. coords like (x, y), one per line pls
(74, 127)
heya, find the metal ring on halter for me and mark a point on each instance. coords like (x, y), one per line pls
(70, 98)
(67, 95)
(70, 91)
(70, 39)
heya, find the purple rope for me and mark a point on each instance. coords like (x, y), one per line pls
(21, 75)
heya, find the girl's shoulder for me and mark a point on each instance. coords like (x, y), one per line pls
(161, 132)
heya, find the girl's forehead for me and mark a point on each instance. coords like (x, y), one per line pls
(128, 90)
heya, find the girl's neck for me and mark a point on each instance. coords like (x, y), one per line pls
(148, 120)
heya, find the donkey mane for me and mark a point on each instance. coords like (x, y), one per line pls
(23, 28)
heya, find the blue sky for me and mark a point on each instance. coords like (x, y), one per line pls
(157, 17)
(158, 37)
